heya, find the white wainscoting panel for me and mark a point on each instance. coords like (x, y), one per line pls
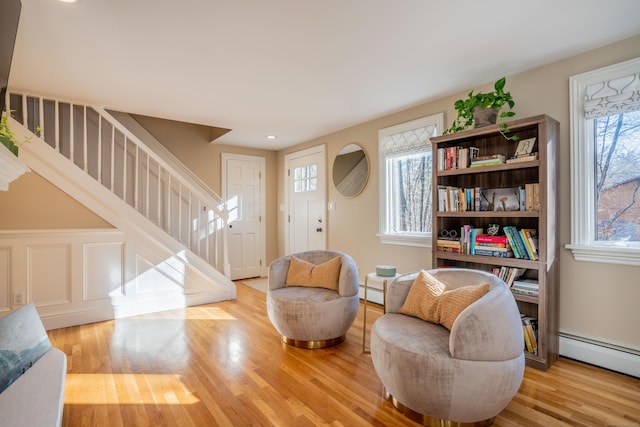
(49, 274)
(5, 280)
(104, 270)
(83, 276)
(67, 274)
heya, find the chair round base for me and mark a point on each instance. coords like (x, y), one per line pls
(428, 421)
(312, 345)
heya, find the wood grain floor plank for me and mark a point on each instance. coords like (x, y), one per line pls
(224, 365)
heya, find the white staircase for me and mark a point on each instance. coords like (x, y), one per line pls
(172, 222)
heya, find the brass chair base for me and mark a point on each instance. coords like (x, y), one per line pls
(428, 421)
(312, 345)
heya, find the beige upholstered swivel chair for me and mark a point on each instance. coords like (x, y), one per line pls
(465, 375)
(311, 315)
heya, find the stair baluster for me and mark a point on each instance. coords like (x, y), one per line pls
(107, 147)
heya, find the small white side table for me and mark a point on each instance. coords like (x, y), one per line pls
(374, 278)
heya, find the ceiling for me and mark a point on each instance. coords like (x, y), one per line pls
(299, 69)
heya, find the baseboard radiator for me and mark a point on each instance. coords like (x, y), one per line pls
(610, 356)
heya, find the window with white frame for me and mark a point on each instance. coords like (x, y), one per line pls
(305, 178)
(605, 164)
(406, 167)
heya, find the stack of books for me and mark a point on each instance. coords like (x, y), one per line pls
(492, 246)
(493, 159)
(523, 158)
(449, 245)
(528, 287)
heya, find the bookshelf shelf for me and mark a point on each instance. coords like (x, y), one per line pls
(488, 169)
(489, 214)
(525, 298)
(489, 260)
(543, 308)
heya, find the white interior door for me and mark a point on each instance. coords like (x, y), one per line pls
(305, 175)
(243, 191)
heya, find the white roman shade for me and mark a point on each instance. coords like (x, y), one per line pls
(615, 96)
(409, 141)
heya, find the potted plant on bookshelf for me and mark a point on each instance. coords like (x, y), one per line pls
(481, 109)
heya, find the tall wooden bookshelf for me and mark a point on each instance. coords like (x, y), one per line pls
(543, 170)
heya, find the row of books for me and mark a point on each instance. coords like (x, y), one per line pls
(532, 197)
(456, 199)
(530, 332)
(472, 241)
(455, 157)
(523, 242)
(508, 274)
(463, 157)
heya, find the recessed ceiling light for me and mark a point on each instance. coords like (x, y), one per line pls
(271, 137)
(68, 1)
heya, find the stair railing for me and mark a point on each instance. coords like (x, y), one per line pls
(184, 208)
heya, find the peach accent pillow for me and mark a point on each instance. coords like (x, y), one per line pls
(304, 273)
(429, 300)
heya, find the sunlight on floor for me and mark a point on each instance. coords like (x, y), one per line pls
(120, 389)
(192, 313)
(207, 313)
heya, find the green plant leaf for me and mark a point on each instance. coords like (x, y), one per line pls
(496, 99)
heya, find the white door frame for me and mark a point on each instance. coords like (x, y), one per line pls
(262, 207)
(322, 170)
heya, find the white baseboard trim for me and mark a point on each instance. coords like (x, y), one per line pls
(600, 354)
(74, 318)
(373, 295)
(139, 307)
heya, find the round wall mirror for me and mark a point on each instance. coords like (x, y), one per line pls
(350, 170)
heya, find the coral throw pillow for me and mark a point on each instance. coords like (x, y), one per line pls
(429, 300)
(304, 273)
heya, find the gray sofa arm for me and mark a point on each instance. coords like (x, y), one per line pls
(278, 272)
(36, 398)
(398, 290)
(488, 329)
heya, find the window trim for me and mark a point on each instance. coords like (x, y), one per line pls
(583, 245)
(385, 236)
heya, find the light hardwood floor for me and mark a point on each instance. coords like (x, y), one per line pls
(223, 365)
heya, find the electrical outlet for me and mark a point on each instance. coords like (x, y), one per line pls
(18, 298)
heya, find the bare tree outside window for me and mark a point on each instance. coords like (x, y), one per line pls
(412, 181)
(406, 168)
(617, 187)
